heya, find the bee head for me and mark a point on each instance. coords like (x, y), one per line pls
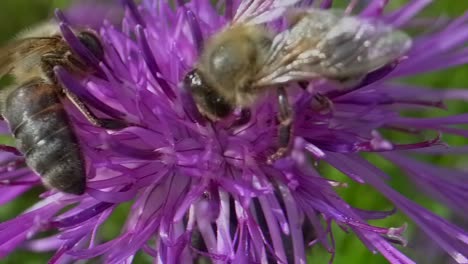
(209, 102)
(92, 43)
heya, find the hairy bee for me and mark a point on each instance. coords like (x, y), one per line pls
(33, 106)
(245, 59)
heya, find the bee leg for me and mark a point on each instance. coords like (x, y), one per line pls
(350, 81)
(285, 117)
(107, 123)
(50, 60)
(3, 96)
(321, 104)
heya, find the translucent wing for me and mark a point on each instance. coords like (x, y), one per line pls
(30, 42)
(261, 11)
(6, 59)
(23, 50)
(327, 44)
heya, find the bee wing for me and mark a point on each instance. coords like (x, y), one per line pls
(21, 50)
(261, 11)
(325, 44)
(6, 58)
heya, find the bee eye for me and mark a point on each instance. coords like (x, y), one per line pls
(92, 42)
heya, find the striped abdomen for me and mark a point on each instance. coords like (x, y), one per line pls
(44, 135)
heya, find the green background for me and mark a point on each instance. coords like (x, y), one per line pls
(16, 15)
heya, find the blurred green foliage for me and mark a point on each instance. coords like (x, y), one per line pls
(16, 15)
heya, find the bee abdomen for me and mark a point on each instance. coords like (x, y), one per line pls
(43, 134)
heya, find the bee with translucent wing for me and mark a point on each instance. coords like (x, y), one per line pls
(245, 60)
(33, 105)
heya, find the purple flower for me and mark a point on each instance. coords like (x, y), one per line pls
(204, 190)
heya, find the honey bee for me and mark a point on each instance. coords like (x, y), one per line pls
(246, 59)
(33, 105)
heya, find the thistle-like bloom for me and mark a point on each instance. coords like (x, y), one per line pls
(203, 189)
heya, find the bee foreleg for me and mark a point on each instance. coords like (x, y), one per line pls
(107, 123)
(285, 117)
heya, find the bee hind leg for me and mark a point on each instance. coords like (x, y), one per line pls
(3, 96)
(285, 128)
(107, 123)
(49, 61)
